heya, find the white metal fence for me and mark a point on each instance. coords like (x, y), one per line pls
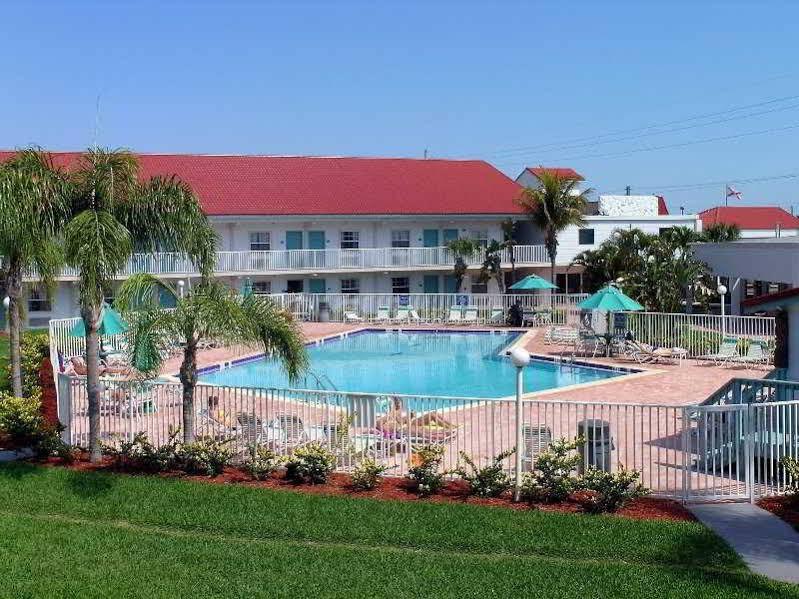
(683, 452)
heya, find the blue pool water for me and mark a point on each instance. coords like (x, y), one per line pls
(413, 363)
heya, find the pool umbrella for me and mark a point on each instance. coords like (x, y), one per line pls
(532, 282)
(610, 299)
(111, 323)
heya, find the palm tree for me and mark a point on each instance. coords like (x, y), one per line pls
(492, 264)
(509, 242)
(114, 212)
(32, 211)
(554, 206)
(463, 249)
(721, 232)
(210, 310)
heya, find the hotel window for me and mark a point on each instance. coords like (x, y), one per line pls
(38, 301)
(400, 285)
(480, 237)
(350, 285)
(262, 287)
(350, 240)
(585, 236)
(400, 239)
(479, 286)
(259, 241)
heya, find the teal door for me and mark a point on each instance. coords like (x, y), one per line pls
(450, 235)
(293, 240)
(316, 240)
(431, 283)
(450, 284)
(430, 238)
(317, 286)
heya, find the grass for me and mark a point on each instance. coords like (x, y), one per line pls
(69, 533)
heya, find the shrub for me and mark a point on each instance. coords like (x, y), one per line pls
(608, 492)
(21, 419)
(140, 455)
(262, 462)
(425, 471)
(205, 456)
(34, 348)
(791, 466)
(366, 475)
(488, 481)
(311, 463)
(552, 478)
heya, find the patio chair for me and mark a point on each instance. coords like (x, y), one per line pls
(403, 314)
(455, 315)
(352, 317)
(728, 350)
(497, 316)
(588, 344)
(249, 429)
(542, 318)
(383, 314)
(470, 316)
(293, 429)
(413, 316)
(211, 426)
(528, 317)
(756, 355)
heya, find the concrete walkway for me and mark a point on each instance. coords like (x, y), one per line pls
(768, 545)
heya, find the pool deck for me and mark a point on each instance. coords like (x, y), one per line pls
(690, 382)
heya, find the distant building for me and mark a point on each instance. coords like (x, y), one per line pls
(753, 221)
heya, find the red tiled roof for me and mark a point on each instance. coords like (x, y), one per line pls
(663, 210)
(561, 171)
(750, 217)
(282, 185)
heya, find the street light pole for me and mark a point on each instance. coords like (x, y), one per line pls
(722, 289)
(520, 358)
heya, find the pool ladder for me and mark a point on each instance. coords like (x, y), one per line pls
(320, 379)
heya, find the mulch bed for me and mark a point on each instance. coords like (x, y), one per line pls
(400, 489)
(782, 506)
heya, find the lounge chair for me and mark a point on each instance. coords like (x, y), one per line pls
(542, 318)
(528, 317)
(413, 316)
(455, 315)
(352, 317)
(497, 316)
(756, 355)
(403, 314)
(728, 351)
(212, 426)
(293, 429)
(470, 316)
(383, 314)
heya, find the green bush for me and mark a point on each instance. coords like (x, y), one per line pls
(262, 462)
(34, 348)
(791, 466)
(425, 471)
(21, 419)
(608, 492)
(552, 478)
(311, 463)
(488, 481)
(140, 455)
(366, 475)
(205, 456)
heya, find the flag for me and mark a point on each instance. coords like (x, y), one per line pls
(732, 193)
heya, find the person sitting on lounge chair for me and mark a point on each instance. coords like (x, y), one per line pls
(431, 427)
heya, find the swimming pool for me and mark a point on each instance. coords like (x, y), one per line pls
(462, 364)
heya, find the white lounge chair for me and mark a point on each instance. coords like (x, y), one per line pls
(352, 317)
(728, 351)
(755, 355)
(383, 314)
(413, 316)
(497, 316)
(470, 315)
(455, 315)
(403, 314)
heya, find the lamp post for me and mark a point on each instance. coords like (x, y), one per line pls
(181, 285)
(6, 304)
(520, 358)
(722, 289)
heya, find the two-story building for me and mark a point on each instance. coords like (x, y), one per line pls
(352, 225)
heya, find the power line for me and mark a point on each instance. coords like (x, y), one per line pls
(691, 186)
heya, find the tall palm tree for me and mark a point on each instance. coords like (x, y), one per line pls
(211, 310)
(114, 212)
(509, 242)
(463, 249)
(32, 211)
(554, 206)
(492, 264)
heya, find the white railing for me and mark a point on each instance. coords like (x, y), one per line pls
(700, 334)
(430, 307)
(683, 452)
(280, 261)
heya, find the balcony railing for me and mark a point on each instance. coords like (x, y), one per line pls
(283, 261)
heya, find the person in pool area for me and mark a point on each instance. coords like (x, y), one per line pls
(396, 421)
(217, 413)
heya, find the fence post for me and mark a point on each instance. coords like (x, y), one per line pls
(750, 452)
(686, 450)
(64, 401)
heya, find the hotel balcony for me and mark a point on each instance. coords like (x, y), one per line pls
(276, 262)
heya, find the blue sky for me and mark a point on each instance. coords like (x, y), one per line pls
(512, 83)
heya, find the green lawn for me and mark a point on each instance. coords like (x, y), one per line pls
(64, 533)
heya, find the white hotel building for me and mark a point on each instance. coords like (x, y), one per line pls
(359, 225)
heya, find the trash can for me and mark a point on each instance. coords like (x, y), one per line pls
(324, 312)
(598, 449)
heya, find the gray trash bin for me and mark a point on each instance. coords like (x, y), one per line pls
(598, 449)
(324, 312)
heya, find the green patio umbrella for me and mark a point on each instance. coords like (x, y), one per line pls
(111, 323)
(610, 299)
(532, 282)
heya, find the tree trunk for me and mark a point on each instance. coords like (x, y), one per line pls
(14, 290)
(188, 377)
(91, 318)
